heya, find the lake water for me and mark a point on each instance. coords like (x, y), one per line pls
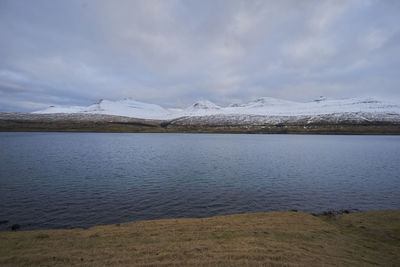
(64, 180)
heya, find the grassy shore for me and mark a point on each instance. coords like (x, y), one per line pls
(274, 238)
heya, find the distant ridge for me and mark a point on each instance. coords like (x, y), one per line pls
(261, 115)
(263, 106)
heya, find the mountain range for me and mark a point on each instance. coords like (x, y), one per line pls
(262, 115)
(263, 106)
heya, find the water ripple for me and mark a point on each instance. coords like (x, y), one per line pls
(64, 180)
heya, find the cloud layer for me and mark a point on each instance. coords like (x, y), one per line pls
(174, 52)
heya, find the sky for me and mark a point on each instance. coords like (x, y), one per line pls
(175, 52)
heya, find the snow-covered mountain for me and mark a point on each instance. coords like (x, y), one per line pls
(277, 107)
(202, 105)
(125, 107)
(200, 108)
(261, 115)
(264, 106)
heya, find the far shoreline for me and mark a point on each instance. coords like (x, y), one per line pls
(328, 133)
(24, 122)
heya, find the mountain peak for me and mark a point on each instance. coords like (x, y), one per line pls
(268, 101)
(204, 104)
(320, 99)
(98, 102)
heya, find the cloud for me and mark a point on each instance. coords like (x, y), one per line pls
(172, 52)
(376, 38)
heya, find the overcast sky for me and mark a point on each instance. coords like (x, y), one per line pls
(172, 53)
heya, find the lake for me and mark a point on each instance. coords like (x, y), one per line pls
(67, 180)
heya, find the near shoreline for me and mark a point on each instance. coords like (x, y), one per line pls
(271, 238)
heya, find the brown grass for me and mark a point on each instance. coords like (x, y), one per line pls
(272, 239)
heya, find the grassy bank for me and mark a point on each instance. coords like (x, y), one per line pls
(273, 238)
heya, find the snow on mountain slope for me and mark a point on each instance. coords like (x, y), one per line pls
(267, 106)
(277, 107)
(200, 108)
(126, 107)
(356, 108)
(203, 105)
(268, 102)
(61, 109)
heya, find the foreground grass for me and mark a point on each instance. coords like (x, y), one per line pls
(273, 238)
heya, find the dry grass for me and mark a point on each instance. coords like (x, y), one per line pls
(272, 239)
